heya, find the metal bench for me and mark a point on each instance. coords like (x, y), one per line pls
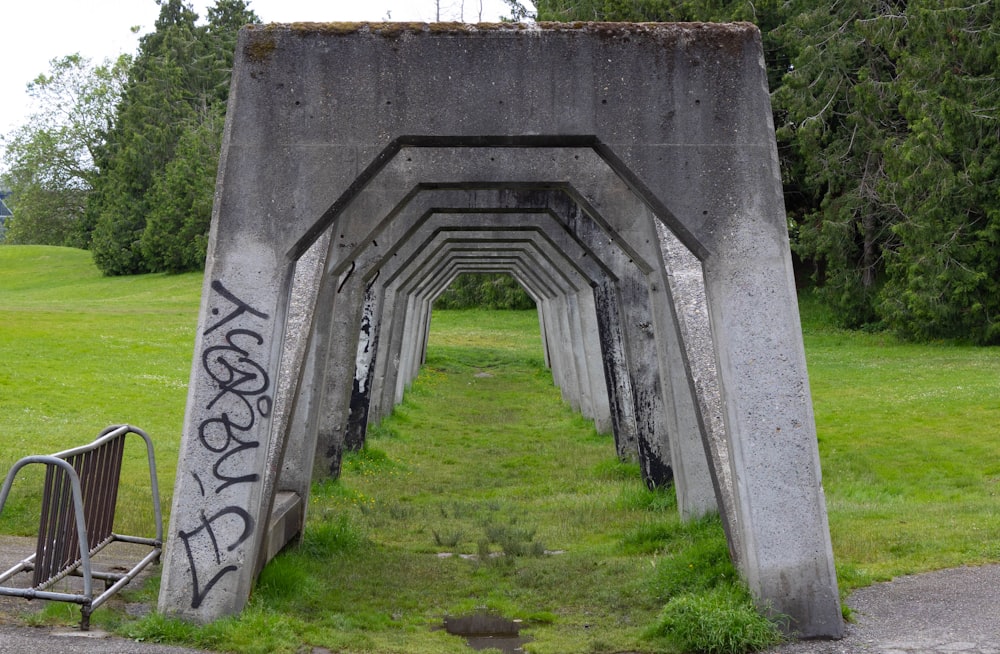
(77, 517)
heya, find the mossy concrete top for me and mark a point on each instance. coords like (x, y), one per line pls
(602, 28)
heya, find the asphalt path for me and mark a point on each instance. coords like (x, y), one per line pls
(944, 612)
(21, 640)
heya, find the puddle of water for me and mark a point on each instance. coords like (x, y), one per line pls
(486, 630)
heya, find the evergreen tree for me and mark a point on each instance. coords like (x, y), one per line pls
(150, 120)
(171, 108)
(838, 110)
(176, 235)
(944, 278)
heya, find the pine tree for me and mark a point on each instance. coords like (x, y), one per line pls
(944, 278)
(171, 109)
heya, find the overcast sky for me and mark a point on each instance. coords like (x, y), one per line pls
(33, 32)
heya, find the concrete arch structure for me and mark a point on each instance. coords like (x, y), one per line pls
(600, 245)
(694, 490)
(660, 134)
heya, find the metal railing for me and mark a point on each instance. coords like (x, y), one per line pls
(77, 518)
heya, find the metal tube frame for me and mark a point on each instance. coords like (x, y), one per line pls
(103, 513)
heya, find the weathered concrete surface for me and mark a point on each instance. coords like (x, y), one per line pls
(687, 286)
(680, 113)
(611, 201)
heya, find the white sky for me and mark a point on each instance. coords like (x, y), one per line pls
(33, 32)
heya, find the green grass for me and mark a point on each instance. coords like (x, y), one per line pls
(482, 459)
(81, 352)
(910, 453)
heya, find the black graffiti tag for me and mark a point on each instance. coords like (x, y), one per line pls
(233, 346)
(242, 387)
(242, 383)
(230, 367)
(207, 531)
(239, 307)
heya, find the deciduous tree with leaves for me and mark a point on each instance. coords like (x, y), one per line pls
(51, 158)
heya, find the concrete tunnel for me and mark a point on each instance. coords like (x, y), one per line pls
(651, 151)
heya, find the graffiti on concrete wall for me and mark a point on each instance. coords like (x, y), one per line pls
(233, 347)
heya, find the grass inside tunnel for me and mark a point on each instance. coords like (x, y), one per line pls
(483, 491)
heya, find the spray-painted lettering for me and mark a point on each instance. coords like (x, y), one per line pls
(233, 346)
(210, 540)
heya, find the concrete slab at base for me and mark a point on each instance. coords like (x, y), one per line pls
(331, 122)
(284, 524)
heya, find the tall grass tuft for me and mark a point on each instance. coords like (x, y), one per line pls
(722, 620)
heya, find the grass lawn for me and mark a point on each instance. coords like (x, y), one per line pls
(81, 352)
(909, 447)
(482, 458)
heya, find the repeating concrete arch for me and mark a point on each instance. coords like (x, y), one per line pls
(582, 388)
(403, 208)
(694, 492)
(660, 133)
(608, 199)
(464, 257)
(454, 250)
(450, 200)
(593, 247)
(385, 273)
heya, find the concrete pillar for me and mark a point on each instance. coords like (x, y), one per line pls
(687, 290)
(595, 353)
(606, 305)
(364, 371)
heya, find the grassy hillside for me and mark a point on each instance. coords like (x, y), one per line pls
(483, 457)
(81, 352)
